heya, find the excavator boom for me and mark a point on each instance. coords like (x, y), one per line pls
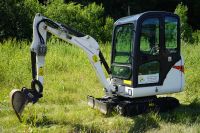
(89, 45)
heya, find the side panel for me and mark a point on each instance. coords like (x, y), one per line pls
(156, 48)
(174, 82)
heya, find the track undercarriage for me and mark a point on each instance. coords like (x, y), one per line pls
(131, 107)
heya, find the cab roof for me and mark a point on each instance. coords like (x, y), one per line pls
(135, 18)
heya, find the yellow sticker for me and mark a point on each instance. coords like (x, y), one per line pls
(151, 104)
(128, 82)
(41, 71)
(95, 58)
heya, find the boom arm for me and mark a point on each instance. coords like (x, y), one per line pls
(41, 26)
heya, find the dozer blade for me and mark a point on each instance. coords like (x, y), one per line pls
(18, 101)
(132, 107)
(97, 104)
(104, 105)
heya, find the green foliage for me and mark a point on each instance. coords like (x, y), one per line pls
(107, 29)
(186, 30)
(191, 55)
(88, 19)
(16, 18)
(119, 8)
(196, 37)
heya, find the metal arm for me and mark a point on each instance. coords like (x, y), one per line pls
(41, 26)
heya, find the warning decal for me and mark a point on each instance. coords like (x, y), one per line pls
(41, 71)
(147, 79)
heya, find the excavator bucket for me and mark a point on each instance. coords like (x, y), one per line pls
(18, 101)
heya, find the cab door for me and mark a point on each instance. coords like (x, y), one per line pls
(172, 64)
(149, 52)
(171, 44)
(158, 49)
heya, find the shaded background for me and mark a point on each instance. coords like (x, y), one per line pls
(119, 8)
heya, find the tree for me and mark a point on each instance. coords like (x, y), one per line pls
(17, 17)
(186, 30)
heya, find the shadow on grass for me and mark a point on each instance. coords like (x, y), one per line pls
(46, 122)
(36, 122)
(144, 123)
(184, 114)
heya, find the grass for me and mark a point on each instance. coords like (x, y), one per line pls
(69, 78)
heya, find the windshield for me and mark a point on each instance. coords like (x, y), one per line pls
(123, 43)
(122, 49)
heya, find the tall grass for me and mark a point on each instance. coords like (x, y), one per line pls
(69, 78)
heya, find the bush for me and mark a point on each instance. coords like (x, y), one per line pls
(186, 30)
(16, 18)
(88, 19)
(196, 37)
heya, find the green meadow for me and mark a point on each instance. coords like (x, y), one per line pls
(69, 78)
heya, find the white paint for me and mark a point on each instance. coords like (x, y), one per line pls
(174, 82)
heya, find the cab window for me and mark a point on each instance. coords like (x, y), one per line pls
(123, 43)
(149, 40)
(171, 34)
(122, 50)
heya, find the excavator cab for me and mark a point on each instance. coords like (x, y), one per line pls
(145, 48)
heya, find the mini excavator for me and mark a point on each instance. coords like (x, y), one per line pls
(145, 62)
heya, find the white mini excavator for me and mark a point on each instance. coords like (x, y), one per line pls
(145, 62)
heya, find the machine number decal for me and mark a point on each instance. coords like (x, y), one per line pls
(146, 79)
(41, 71)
